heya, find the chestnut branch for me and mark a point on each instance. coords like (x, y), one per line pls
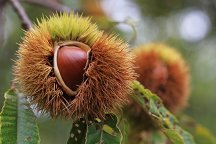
(26, 22)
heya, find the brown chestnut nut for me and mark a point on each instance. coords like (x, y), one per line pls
(70, 61)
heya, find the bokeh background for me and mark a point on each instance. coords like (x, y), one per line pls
(187, 25)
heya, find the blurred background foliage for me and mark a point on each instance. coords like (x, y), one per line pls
(187, 25)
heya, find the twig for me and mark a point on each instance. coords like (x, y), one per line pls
(26, 22)
(53, 5)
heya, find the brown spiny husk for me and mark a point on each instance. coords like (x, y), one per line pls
(162, 70)
(107, 77)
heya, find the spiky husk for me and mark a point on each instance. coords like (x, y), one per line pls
(108, 76)
(163, 70)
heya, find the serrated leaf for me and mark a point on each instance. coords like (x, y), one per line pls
(17, 121)
(161, 117)
(96, 131)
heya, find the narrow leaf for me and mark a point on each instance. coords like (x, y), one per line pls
(17, 121)
(167, 122)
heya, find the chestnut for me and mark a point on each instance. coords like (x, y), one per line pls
(67, 67)
(163, 70)
(70, 60)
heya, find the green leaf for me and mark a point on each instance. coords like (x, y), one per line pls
(96, 131)
(160, 116)
(78, 132)
(124, 127)
(174, 136)
(104, 132)
(17, 121)
(201, 134)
